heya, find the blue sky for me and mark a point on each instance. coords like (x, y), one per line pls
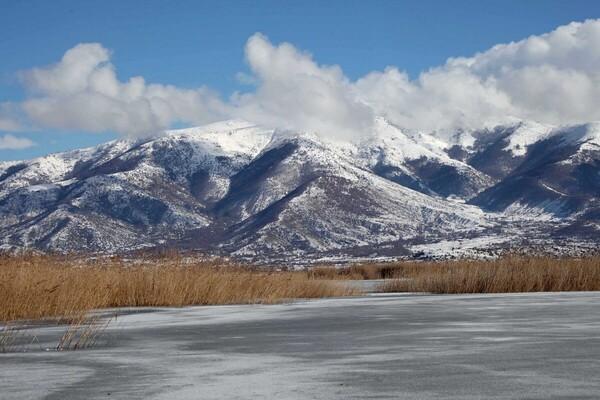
(190, 44)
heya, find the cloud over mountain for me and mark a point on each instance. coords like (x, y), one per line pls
(294, 91)
(551, 78)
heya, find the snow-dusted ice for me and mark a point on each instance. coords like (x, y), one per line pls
(517, 346)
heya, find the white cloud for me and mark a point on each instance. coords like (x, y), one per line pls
(82, 92)
(552, 78)
(11, 142)
(438, 100)
(9, 117)
(293, 91)
(9, 124)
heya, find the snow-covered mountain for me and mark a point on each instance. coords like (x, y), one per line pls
(236, 188)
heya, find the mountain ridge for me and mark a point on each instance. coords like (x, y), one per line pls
(235, 188)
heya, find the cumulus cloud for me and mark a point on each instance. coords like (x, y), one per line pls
(293, 91)
(82, 92)
(552, 78)
(11, 142)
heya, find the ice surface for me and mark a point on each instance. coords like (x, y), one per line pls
(524, 346)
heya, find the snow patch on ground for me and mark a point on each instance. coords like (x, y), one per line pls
(471, 247)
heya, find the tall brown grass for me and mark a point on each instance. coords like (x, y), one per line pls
(36, 286)
(357, 272)
(507, 275)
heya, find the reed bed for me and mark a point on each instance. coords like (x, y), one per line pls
(34, 287)
(357, 272)
(507, 275)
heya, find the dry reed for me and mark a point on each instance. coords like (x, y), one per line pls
(356, 272)
(507, 275)
(37, 286)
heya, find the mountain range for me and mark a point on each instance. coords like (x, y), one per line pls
(237, 189)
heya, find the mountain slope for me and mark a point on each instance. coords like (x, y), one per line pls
(236, 188)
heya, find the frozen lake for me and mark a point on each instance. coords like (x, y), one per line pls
(518, 346)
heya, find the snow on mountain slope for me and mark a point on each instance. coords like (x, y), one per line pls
(236, 188)
(331, 203)
(586, 137)
(227, 137)
(558, 176)
(399, 157)
(525, 134)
